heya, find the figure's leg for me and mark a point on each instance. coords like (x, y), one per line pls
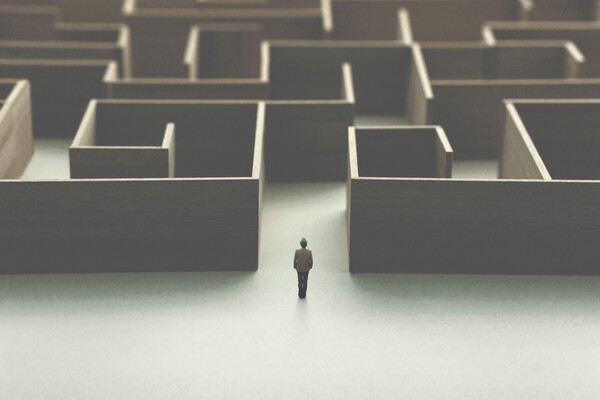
(305, 281)
(299, 282)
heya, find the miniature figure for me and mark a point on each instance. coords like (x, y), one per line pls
(303, 263)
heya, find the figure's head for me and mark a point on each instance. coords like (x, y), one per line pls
(303, 243)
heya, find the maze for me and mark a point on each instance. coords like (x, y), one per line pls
(468, 131)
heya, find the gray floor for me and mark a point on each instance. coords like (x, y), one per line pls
(50, 160)
(248, 336)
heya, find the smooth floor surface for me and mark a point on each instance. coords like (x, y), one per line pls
(248, 336)
(475, 169)
(50, 160)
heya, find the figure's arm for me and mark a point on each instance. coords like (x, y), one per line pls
(295, 259)
(310, 260)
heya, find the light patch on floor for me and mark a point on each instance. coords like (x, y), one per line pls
(475, 169)
(380, 120)
(50, 160)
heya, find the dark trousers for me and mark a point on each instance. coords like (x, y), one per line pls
(302, 282)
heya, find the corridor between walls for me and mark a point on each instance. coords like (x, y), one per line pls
(316, 211)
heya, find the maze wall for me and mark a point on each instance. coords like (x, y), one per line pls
(180, 110)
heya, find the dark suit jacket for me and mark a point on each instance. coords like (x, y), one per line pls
(303, 260)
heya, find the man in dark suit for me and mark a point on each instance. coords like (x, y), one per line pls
(303, 262)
